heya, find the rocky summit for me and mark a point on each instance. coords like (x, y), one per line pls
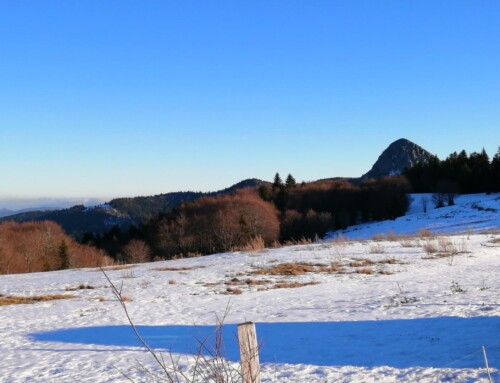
(399, 155)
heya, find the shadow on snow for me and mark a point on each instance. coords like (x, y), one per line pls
(430, 342)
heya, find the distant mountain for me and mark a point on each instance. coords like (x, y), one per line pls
(122, 212)
(8, 212)
(398, 156)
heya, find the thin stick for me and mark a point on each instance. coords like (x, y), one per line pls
(118, 295)
(487, 367)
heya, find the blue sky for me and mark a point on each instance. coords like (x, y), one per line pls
(124, 98)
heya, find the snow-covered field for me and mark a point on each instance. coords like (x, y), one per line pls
(410, 309)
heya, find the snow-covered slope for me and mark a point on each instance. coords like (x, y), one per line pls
(407, 310)
(471, 213)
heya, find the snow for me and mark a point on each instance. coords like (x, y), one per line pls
(419, 318)
(471, 213)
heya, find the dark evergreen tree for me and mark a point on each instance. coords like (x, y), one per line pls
(278, 182)
(290, 182)
(495, 172)
(63, 255)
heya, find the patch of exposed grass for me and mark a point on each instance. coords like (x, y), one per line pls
(233, 290)
(16, 300)
(364, 271)
(293, 285)
(287, 268)
(362, 263)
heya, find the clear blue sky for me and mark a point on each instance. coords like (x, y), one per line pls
(124, 98)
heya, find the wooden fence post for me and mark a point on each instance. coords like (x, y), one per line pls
(249, 352)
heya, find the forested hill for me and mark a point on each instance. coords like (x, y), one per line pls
(140, 208)
(121, 212)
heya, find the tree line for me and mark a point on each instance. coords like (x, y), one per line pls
(263, 216)
(459, 173)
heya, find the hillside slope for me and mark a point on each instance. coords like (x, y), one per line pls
(337, 311)
(471, 213)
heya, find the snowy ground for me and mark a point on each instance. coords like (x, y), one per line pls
(384, 311)
(471, 213)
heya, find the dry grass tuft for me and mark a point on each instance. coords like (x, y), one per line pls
(425, 233)
(255, 244)
(234, 291)
(407, 242)
(333, 268)
(16, 300)
(430, 247)
(442, 247)
(362, 263)
(364, 271)
(287, 269)
(293, 285)
(389, 236)
(385, 272)
(302, 241)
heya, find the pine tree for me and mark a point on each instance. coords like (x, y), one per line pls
(278, 183)
(290, 182)
(495, 171)
(63, 255)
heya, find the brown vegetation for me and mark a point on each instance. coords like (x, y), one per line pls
(217, 224)
(362, 263)
(137, 251)
(17, 300)
(293, 285)
(364, 271)
(300, 268)
(43, 246)
(234, 290)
